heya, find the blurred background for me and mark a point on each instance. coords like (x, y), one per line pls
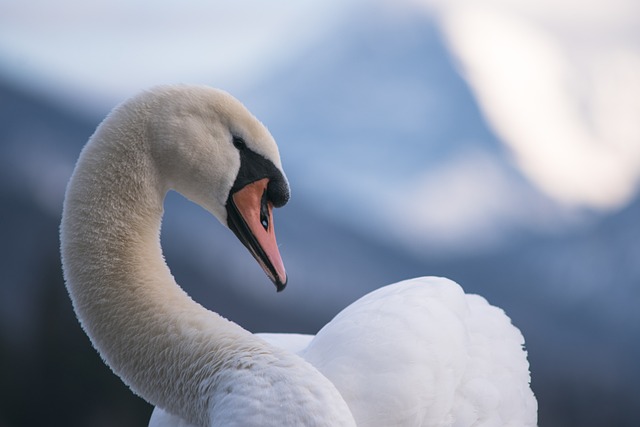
(494, 142)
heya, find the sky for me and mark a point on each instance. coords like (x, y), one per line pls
(124, 46)
(558, 82)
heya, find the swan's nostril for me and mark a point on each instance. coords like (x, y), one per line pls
(264, 211)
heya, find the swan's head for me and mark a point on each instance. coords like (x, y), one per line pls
(211, 149)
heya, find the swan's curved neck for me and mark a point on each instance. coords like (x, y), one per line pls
(167, 348)
(147, 329)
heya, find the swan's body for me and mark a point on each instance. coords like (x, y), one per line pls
(422, 353)
(407, 354)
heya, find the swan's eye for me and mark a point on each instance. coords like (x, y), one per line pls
(239, 143)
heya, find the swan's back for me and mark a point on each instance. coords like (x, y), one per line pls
(422, 353)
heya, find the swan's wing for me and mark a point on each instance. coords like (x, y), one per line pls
(160, 418)
(294, 343)
(421, 352)
(495, 387)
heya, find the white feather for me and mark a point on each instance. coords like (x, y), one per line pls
(422, 353)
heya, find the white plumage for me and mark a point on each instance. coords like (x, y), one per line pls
(422, 353)
(416, 353)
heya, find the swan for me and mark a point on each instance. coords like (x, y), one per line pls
(420, 352)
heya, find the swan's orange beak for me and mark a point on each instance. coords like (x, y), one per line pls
(250, 218)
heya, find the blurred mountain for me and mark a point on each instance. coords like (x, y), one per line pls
(573, 293)
(378, 131)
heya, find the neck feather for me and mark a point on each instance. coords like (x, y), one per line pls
(159, 341)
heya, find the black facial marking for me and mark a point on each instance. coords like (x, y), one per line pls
(254, 167)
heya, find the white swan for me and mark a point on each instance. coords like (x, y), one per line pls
(418, 352)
